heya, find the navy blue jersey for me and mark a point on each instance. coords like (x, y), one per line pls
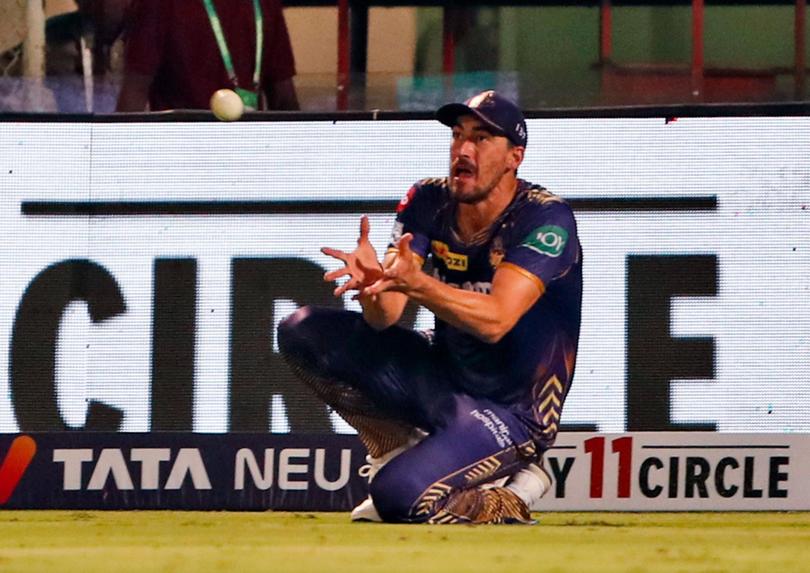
(531, 367)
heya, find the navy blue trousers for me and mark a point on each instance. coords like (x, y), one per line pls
(472, 440)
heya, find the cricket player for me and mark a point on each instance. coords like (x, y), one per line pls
(455, 420)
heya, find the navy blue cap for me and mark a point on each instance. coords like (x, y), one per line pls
(499, 113)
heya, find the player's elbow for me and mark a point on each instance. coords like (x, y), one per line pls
(493, 333)
(383, 311)
(379, 319)
(491, 338)
(497, 326)
(378, 323)
(498, 321)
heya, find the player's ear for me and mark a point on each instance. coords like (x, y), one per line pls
(515, 157)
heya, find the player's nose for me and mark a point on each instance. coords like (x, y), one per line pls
(467, 148)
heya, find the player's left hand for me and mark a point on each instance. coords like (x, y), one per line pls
(361, 265)
(402, 275)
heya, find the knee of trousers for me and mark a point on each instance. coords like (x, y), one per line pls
(397, 496)
(296, 333)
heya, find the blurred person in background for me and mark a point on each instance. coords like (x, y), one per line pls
(82, 59)
(95, 25)
(179, 52)
(455, 420)
(107, 19)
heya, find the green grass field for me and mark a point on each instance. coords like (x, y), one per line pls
(562, 542)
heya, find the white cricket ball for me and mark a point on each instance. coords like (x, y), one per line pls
(227, 105)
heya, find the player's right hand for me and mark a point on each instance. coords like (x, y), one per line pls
(361, 265)
(403, 273)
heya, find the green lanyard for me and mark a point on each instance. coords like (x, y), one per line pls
(251, 98)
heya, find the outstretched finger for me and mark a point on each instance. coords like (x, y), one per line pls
(377, 287)
(365, 226)
(346, 286)
(335, 253)
(404, 245)
(334, 275)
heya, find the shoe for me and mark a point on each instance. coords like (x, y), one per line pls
(530, 484)
(366, 511)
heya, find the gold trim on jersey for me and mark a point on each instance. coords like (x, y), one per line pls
(542, 196)
(428, 500)
(479, 506)
(483, 470)
(425, 503)
(549, 410)
(444, 518)
(527, 450)
(437, 181)
(534, 278)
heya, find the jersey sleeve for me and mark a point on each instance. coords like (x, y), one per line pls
(546, 244)
(414, 215)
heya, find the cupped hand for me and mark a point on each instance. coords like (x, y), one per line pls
(402, 275)
(361, 265)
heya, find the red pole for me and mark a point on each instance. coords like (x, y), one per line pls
(448, 42)
(605, 32)
(343, 55)
(697, 49)
(799, 60)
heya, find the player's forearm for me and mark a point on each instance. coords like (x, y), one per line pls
(479, 314)
(383, 310)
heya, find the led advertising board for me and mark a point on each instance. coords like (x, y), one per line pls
(144, 266)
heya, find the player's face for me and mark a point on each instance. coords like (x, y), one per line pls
(478, 160)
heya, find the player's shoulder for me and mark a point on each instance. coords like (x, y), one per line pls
(431, 191)
(433, 185)
(539, 202)
(540, 196)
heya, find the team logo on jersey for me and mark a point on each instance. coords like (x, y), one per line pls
(496, 252)
(453, 261)
(547, 240)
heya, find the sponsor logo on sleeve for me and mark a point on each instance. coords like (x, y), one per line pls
(547, 240)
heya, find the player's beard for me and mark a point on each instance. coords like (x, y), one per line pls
(478, 193)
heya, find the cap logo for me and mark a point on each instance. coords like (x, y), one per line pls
(480, 99)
